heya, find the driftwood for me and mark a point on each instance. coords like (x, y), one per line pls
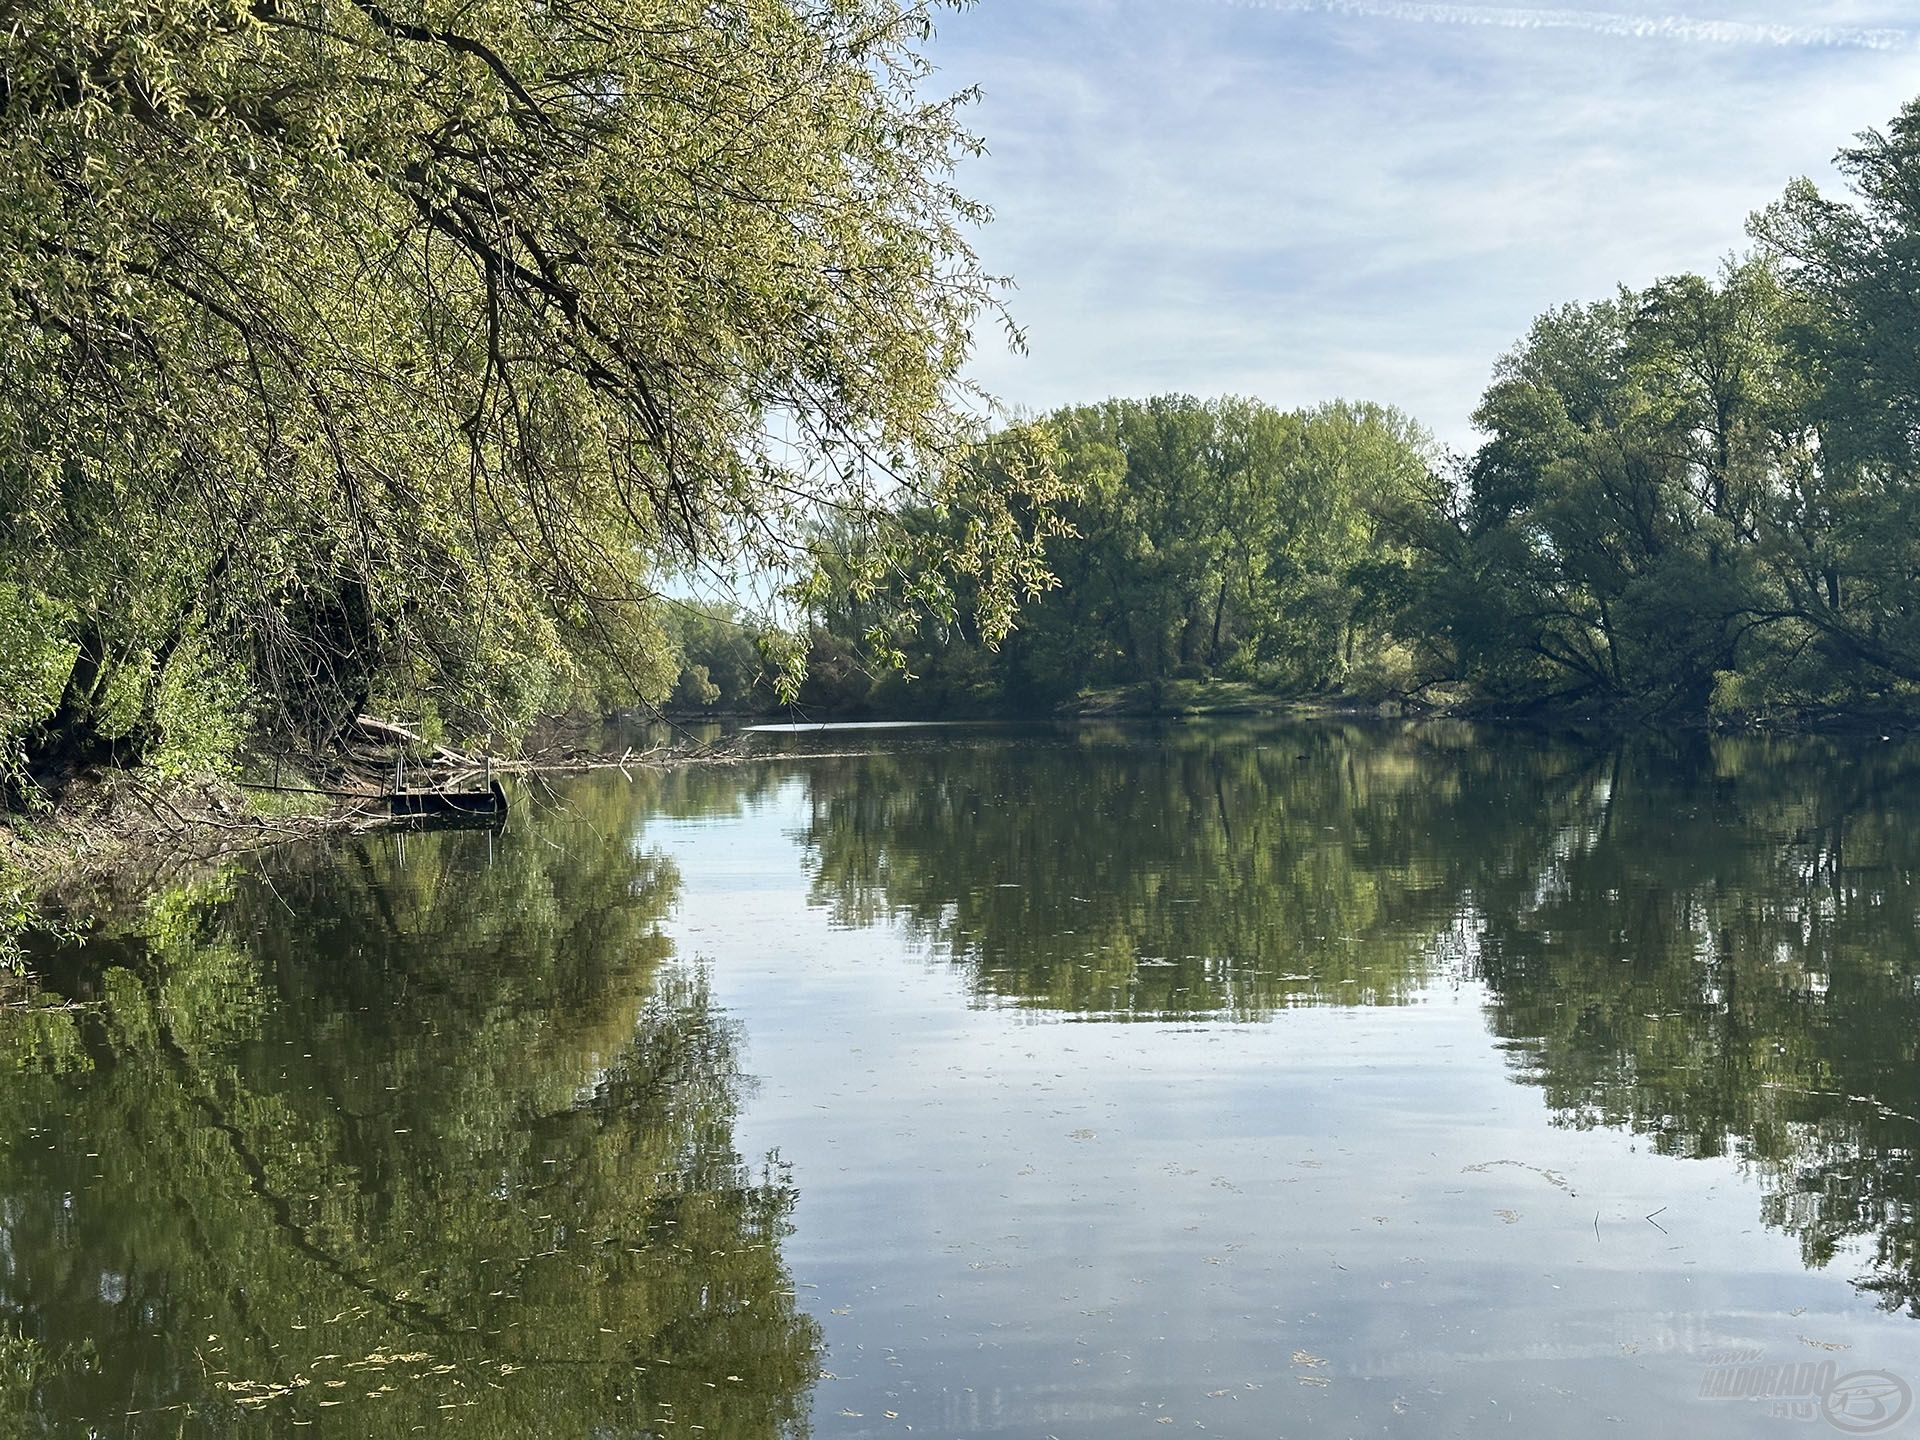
(399, 735)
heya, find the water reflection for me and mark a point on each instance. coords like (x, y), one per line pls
(360, 1144)
(1709, 943)
(355, 1141)
(1178, 874)
(1719, 952)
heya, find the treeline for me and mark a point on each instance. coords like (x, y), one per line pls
(340, 370)
(1696, 500)
(1205, 539)
(1221, 539)
(1699, 498)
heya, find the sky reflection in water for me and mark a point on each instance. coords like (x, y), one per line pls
(1310, 1081)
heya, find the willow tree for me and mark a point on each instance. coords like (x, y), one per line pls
(357, 351)
(1847, 558)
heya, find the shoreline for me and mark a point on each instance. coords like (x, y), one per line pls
(127, 832)
(1203, 700)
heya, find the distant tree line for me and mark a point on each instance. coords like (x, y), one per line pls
(1204, 539)
(1693, 500)
(356, 356)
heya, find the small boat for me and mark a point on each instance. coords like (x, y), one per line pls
(489, 804)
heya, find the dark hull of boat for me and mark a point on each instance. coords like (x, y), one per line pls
(451, 806)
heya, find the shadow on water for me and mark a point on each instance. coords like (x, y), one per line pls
(368, 1140)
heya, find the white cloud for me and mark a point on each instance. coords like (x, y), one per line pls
(1605, 22)
(1302, 202)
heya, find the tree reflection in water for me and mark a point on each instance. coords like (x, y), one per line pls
(371, 1139)
(351, 1140)
(1711, 943)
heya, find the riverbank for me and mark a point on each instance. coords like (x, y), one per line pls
(1198, 699)
(132, 830)
(117, 834)
(1194, 699)
(1169, 699)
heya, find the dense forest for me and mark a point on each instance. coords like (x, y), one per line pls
(1693, 501)
(356, 358)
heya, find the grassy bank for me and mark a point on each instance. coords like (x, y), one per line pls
(134, 830)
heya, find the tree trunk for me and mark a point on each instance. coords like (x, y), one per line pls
(69, 741)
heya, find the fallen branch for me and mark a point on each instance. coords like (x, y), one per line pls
(400, 735)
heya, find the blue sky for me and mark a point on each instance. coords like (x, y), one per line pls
(1303, 199)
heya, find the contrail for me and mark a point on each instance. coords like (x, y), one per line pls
(1601, 22)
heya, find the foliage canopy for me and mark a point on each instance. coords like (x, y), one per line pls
(358, 352)
(1700, 498)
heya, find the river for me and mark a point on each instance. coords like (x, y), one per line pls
(1260, 1079)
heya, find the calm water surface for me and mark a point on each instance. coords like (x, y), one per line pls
(1266, 1081)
